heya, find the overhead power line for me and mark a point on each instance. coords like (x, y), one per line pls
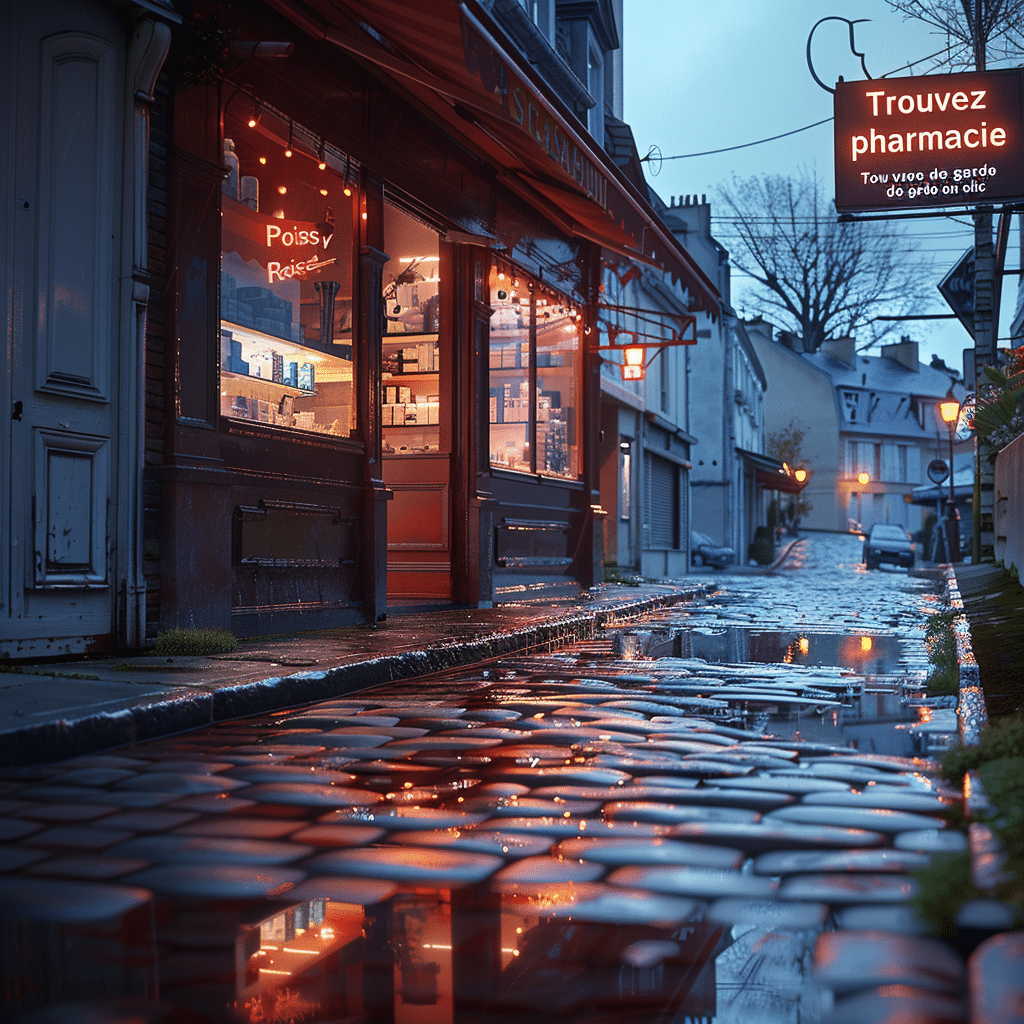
(744, 145)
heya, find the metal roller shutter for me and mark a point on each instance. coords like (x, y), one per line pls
(663, 502)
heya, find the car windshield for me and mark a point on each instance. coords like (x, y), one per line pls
(888, 533)
(701, 539)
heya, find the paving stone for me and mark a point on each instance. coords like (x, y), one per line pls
(408, 864)
(181, 782)
(64, 812)
(704, 883)
(155, 820)
(847, 961)
(849, 887)
(796, 862)
(179, 849)
(603, 904)
(78, 837)
(996, 988)
(97, 867)
(763, 836)
(855, 817)
(635, 852)
(211, 803)
(529, 871)
(232, 827)
(769, 914)
(218, 881)
(67, 902)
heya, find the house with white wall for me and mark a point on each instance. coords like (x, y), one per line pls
(863, 414)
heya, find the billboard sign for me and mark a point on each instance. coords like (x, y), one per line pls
(933, 140)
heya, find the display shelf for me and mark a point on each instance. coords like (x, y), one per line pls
(275, 386)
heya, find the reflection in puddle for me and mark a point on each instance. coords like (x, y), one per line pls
(867, 654)
(438, 957)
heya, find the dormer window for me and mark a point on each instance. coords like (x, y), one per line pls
(851, 400)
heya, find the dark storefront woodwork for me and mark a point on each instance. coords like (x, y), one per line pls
(387, 396)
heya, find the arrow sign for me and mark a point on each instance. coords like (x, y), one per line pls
(957, 288)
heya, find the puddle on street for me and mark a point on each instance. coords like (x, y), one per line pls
(865, 654)
(578, 837)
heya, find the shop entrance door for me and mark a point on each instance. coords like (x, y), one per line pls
(416, 414)
(61, 140)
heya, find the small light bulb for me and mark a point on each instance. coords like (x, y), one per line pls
(364, 216)
(252, 122)
(323, 191)
(288, 151)
(322, 166)
(263, 159)
(282, 189)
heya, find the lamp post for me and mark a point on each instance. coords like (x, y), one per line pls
(949, 410)
(863, 479)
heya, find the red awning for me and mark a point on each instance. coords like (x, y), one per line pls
(444, 51)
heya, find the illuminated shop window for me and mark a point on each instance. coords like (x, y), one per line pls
(534, 377)
(410, 367)
(286, 275)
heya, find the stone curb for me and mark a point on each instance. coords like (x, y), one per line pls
(972, 715)
(197, 706)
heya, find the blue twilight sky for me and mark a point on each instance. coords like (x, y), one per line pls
(705, 74)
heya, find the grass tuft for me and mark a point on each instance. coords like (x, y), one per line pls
(194, 642)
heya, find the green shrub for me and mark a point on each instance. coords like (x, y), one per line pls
(941, 646)
(762, 548)
(999, 761)
(196, 642)
(999, 739)
(942, 886)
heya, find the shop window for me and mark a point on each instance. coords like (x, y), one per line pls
(286, 275)
(534, 377)
(410, 368)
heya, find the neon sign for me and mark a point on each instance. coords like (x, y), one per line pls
(937, 140)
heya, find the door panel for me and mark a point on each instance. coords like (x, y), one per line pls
(419, 533)
(64, 124)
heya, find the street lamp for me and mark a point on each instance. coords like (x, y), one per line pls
(949, 410)
(863, 479)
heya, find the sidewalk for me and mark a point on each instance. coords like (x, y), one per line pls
(55, 710)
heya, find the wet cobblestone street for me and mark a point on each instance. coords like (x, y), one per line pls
(660, 825)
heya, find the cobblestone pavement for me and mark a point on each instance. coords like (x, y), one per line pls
(660, 825)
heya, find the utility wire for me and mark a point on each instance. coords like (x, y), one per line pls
(795, 131)
(744, 145)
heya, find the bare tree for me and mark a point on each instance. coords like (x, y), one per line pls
(975, 30)
(821, 278)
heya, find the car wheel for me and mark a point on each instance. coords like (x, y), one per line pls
(697, 558)
(868, 564)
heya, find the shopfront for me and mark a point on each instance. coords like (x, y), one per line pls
(385, 397)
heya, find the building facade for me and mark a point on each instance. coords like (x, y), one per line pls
(731, 474)
(340, 356)
(873, 415)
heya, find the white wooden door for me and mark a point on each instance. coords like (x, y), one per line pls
(61, 150)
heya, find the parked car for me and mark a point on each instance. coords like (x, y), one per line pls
(704, 551)
(890, 544)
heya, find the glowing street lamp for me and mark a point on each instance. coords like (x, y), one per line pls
(633, 366)
(949, 410)
(863, 479)
(801, 475)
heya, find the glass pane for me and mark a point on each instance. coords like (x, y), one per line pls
(558, 346)
(286, 277)
(410, 400)
(510, 405)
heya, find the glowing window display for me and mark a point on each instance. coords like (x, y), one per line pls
(534, 377)
(286, 275)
